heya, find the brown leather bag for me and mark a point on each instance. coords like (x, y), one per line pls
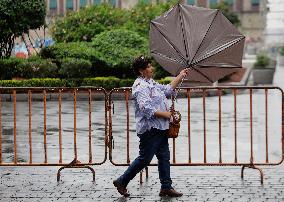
(173, 130)
(175, 123)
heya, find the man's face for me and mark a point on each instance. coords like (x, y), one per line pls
(148, 73)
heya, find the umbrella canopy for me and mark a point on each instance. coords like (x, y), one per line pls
(199, 38)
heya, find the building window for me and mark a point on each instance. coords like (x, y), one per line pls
(53, 4)
(255, 2)
(230, 2)
(112, 2)
(96, 2)
(144, 1)
(191, 2)
(69, 4)
(213, 3)
(83, 3)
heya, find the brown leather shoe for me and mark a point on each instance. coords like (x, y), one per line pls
(170, 193)
(120, 188)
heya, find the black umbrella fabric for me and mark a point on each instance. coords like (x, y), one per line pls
(201, 39)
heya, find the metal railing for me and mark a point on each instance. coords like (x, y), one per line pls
(11, 108)
(202, 92)
(57, 96)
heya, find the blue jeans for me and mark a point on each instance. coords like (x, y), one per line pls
(153, 142)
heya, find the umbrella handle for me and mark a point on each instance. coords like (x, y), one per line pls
(178, 88)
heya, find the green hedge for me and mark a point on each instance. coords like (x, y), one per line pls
(105, 82)
(8, 67)
(36, 67)
(33, 67)
(81, 50)
(48, 82)
(111, 53)
(75, 68)
(165, 80)
(117, 48)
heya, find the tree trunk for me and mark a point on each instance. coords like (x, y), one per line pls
(6, 46)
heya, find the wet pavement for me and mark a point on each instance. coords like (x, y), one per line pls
(196, 183)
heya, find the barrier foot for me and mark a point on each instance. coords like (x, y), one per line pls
(147, 173)
(253, 167)
(74, 164)
(141, 174)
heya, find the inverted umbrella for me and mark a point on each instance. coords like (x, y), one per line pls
(200, 39)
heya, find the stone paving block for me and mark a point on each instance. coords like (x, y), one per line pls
(197, 184)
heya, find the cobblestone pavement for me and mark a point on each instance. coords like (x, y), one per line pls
(197, 184)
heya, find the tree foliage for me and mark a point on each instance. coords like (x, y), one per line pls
(16, 18)
(230, 15)
(88, 22)
(142, 14)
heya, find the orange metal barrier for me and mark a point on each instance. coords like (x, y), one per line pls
(57, 97)
(237, 147)
(23, 135)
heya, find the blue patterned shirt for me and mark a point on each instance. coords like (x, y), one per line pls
(150, 96)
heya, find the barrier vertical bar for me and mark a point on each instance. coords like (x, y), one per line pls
(90, 126)
(282, 126)
(127, 123)
(188, 125)
(235, 124)
(75, 122)
(0, 128)
(251, 128)
(220, 127)
(204, 124)
(266, 125)
(60, 125)
(15, 127)
(174, 150)
(30, 125)
(44, 126)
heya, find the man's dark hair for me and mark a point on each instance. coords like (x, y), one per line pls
(139, 63)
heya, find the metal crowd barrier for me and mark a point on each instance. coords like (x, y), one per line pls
(124, 138)
(58, 97)
(108, 121)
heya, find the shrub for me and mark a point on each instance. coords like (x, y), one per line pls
(75, 68)
(165, 80)
(281, 51)
(8, 67)
(88, 22)
(48, 82)
(35, 67)
(126, 82)
(262, 61)
(116, 49)
(159, 71)
(105, 82)
(80, 50)
(11, 83)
